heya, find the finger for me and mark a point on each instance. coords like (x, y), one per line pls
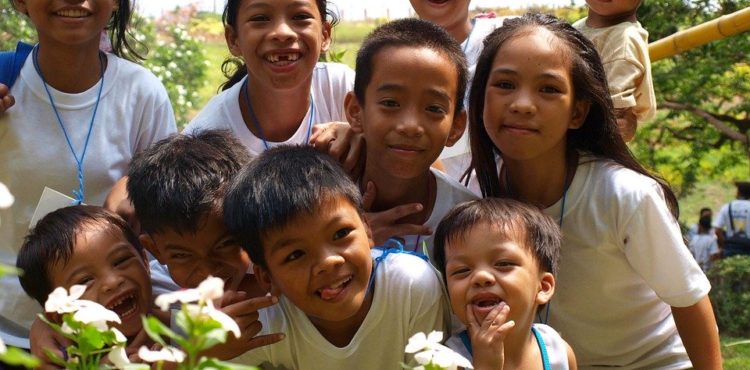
(338, 148)
(369, 196)
(471, 321)
(352, 157)
(398, 212)
(232, 296)
(4, 90)
(265, 340)
(250, 306)
(496, 316)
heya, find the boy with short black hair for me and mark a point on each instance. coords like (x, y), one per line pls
(341, 306)
(88, 245)
(408, 104)
(499, 258)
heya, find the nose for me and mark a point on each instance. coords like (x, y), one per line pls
(409, 124)
(523, 103)
(282, 31)
(482, 278)
(205, 268)
(328, 260)
(112, 281)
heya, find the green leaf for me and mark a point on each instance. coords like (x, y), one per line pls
(9, 270)
(213, 337)
(155, 329)
(742, 342)
(212, 363)
(137, 367)
(90, 339)
(52, 356)
(18, 357)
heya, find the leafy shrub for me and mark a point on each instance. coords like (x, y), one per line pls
(730, 295)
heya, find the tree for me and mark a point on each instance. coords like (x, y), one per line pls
(701, 132)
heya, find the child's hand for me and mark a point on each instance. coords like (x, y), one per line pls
(339, 141)
(627, 122)
(383, 224)
(244, 311)
(487, 336)
(6, 100)
(44, 337)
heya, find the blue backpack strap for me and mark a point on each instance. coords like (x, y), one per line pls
(11, 63)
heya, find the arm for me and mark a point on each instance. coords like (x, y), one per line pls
(338, 140)
(627, 123)
(572, 362)
(44, 337)
(488, 337)
(700, 335)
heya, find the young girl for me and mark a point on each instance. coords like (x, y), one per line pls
(287, 91)
(79, 117)
(543, 131)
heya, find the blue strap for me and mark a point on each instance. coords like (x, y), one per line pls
(11, 63)
(542, 348)
(391, 246)
(464, 335)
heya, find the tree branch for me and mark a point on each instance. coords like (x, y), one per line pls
(719, 124)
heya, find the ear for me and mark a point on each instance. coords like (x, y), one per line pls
(232, 42)
(368, 230)
(546, 288)
(327, 29)
(148, 243)
(20, 5)
(579, 114)
(458, 128)
(265, 281)
(354, 112)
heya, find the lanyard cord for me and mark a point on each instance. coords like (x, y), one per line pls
(79, 194)
(256, 122)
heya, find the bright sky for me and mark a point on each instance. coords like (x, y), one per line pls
(348, 9)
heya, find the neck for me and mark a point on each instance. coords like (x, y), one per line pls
(341, 333)
(279, 112)
(538, 182)
(521, 349)
(460, 30)
(393, 191)
(595, 20)
(70, 69)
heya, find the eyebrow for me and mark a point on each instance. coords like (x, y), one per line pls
(288, 241)
(509, 71)
(438, 93)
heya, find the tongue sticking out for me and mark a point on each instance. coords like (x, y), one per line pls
(330, 293)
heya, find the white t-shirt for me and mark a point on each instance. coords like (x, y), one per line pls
(408, 299)
(703, 246)
(557, 349)
(457, 158)
(330, 83)
(133, 113)
(740, 216)
(449, 193)
(623, 264)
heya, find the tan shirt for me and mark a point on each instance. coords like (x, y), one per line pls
(624, 52)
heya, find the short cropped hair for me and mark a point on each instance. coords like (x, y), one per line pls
(179, 180)
(53, 240)
(279, 186)
(412, 33)
(519, 222)
(743, 189)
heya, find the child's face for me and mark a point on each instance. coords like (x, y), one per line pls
(486, 268)
(68, 23)
(408, 114)
(115, 274)
(529, 102)
(192, 257)
(321, 263)
(442, 12)
(613, 7)
(280, 40)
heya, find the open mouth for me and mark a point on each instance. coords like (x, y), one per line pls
(330, 292)
(405, 148)
(73, 13)
(487, 302)
(125, 305)
(438, 1)
(283, 59)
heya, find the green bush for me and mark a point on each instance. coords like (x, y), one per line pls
(730, 295)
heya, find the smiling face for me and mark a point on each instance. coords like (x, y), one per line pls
(487, 267)
(322, 264)
(529, 100)
(280, 41)
(192, 257)
(442, 12)
(114, 273)
(68, 23)
(409, 110)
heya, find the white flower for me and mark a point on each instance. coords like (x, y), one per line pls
(226, 322)
(3, 348)
(119, 336)
(59, 301)
(169, 354)
(211, 288)
(95, 314)
(421, 341)
(184, 296)
(6, 198)
(118, 357)
(435, 353)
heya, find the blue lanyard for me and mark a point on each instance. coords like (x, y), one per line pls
(391, 246)
(256, 122)
(468, 38)
(78, 194)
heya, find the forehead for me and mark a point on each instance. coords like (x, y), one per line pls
(307, 226)
(210, 229)
(534, 48)
(413, 66)
(281, 4)
(486, 234)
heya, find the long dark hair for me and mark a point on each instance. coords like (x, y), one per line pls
(598, 135)
(233, 68)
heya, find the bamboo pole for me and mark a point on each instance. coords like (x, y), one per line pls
(719, 28)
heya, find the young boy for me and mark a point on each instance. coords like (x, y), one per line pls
(88, 245)
(341, 306)
(408, 104)
(498, 258)
(703, 243)
(623, 46)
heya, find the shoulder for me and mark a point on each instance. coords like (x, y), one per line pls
(137, 78)
(214, 114)
(613, 179)
(333, 72)
(406, 271)
(559, 352)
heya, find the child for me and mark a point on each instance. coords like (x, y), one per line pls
(88, 245)
(287, 91)
(80, 116)
(629, 293)
(703, 244)
(454, 17)
(499, 258)
(623, 47)
(300, 218)
(408, 104)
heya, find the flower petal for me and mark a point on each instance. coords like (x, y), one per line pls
(119, 336)
(169, 354)
(211, 288)
(416, 343)
(424, 357)
(6, 198)
(118, 357)
(226, 322)
(435, 337)
(3, 348)
(95, 314)
(184, 296)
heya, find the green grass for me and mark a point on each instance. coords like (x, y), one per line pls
(711, 194)
(735, 357)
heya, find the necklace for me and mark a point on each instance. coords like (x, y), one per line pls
(256, 122)
(78, 194)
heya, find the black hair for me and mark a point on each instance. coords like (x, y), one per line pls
(743, 189)
(52, 241)
(412, 33)
(278, 186)
(179, 180)
(516, 220)
(232, 67)
(704, 209)
(598, 135)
